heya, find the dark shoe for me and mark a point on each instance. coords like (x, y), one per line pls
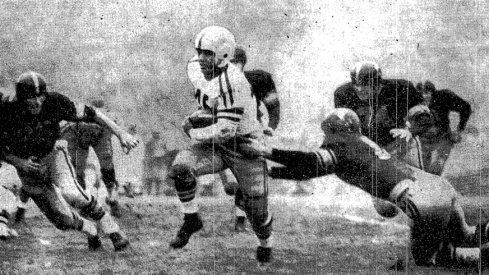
(94, 242)
(20, 215)
(120, 243)
(191, 224)
(263, 254)
(240, 224)
(115, 208)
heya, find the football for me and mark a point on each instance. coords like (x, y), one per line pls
(202, 118)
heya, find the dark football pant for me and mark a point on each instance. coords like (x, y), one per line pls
(80, 137)
(202, 159)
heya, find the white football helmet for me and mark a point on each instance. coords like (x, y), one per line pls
(218, 40)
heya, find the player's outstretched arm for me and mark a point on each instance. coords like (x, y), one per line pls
(127, 140)
(300, 165)
(28, 166)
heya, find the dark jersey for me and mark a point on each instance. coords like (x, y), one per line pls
(444, 101)
(25, 135)
(386, 111)
(262, 86)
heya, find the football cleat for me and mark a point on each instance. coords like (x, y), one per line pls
(120, 242)
(263, 254)
(192, 223)
(94, 242)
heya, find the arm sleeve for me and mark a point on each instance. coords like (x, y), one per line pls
(457, 104)
(224, 129)
(69, 111)
(301, 165)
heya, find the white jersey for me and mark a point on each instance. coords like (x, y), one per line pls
(228, 95)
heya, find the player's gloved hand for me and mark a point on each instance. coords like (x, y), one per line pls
(187, 125)
(128, 141)
(401, 133)
(6, 232)
(456, 137)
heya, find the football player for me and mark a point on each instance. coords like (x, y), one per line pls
(439, 231)
(222, 92)
(80, 136)
(381, 104)
(30, 132)
(438, 140)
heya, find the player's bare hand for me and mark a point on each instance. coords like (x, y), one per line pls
(128, 142)
(401, 133)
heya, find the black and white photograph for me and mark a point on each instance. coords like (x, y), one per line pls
(244, 137)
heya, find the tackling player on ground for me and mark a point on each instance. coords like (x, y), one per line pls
(30, 129)
(222, 92)
(439, 230)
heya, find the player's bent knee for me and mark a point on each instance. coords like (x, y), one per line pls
(65, 221)
(181, 173)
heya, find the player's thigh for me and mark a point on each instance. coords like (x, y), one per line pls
(52, 203)
(432, 196)
(201, 159)
(251, 175)
(63, 176)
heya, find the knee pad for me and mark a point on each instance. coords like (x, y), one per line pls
(181, 172)
(185, 182)
(93, 210)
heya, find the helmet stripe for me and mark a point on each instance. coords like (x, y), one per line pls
(35, 79)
